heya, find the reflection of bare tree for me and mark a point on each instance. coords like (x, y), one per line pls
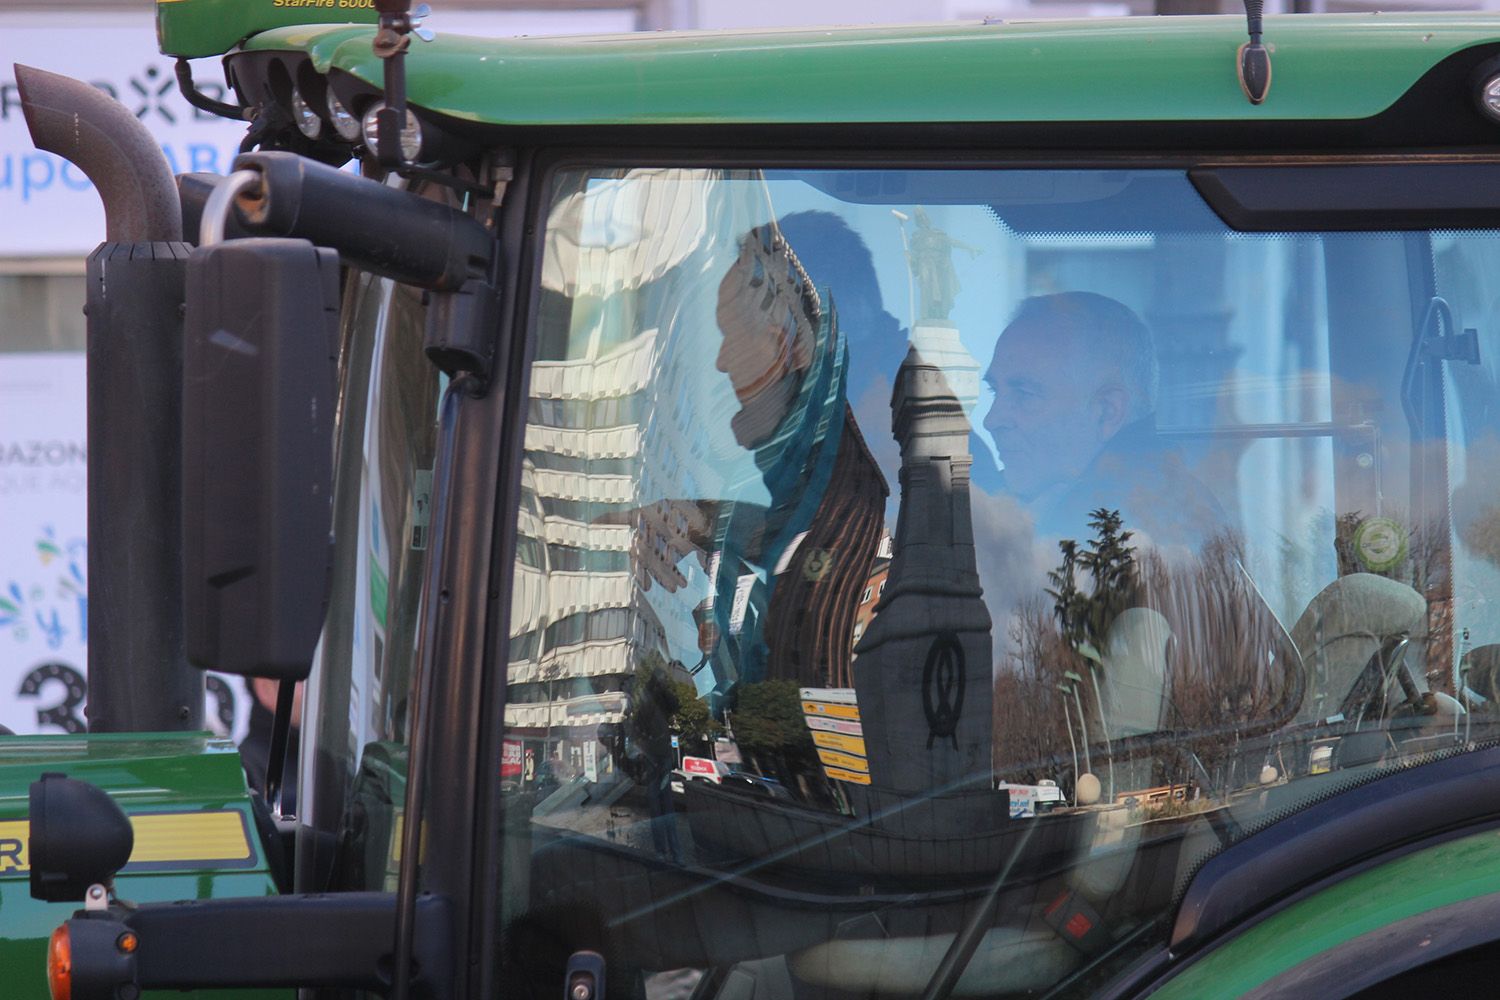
(1233, 664)
(1031, 720)
(1229, 667)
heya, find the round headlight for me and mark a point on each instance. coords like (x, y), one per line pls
(411, 132)
(1489, 97)
(308, 122)
(344, 123)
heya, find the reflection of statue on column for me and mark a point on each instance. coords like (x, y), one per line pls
(930, 253)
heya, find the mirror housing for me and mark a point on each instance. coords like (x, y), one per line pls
(79, 837)
(257, 458)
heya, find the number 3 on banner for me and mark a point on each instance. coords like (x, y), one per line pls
(64, 715)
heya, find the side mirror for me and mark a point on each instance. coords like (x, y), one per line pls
(79, 837)
(257, 464)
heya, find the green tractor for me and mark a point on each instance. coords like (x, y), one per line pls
(971, 510)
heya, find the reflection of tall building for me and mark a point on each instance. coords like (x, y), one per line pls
(656, 504)
(869, 599)
(585, 627)
(581, 622)
(822, 575)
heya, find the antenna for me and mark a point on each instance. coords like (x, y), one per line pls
(1254, 59)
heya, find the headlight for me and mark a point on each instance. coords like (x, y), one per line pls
(344, 123)
(308, 122)
(1489, 97)
(411, 132)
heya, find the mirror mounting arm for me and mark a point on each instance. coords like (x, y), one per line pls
(340, 941)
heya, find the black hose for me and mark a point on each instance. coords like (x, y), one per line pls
(199, 99)
(1254, 9)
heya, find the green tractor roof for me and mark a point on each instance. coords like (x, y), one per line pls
(1130, 69)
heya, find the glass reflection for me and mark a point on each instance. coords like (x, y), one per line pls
(842, 644)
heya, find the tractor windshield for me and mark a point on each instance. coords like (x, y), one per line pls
(906, 552)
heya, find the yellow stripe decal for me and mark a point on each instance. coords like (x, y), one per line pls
(182, 839)
(208, 836)
(14, 836)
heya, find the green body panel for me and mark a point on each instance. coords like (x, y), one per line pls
(1136, 69)
(193, 28)
(1424, 880)
(180, 773)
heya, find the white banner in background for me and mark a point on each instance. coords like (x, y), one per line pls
(44, 554)
(49, 208)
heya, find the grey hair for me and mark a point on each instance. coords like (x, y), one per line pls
(1110, 332)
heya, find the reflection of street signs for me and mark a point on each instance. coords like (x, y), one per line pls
(820, 709)
(846, 761)
(511, 763)
(838, 741)
(820, 724)
(741, 605)
(832, 715)
(726, 751)
(817, 564)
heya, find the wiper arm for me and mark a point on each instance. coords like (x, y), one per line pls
(966, 942)
(1438, 339)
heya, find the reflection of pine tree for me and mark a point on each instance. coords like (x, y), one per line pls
(1069, 605)
(1084, 619)
(1111, 564)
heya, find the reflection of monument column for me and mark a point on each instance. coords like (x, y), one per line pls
(923, 673)
(938, 343)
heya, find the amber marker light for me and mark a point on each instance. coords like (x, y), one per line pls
(60, 964)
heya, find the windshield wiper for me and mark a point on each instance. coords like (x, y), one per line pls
(1437, 339)
(966, 942)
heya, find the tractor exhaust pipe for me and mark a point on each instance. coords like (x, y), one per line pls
(99, 136)
(139, 678)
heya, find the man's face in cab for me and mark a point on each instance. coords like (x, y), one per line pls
(1054, 407)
